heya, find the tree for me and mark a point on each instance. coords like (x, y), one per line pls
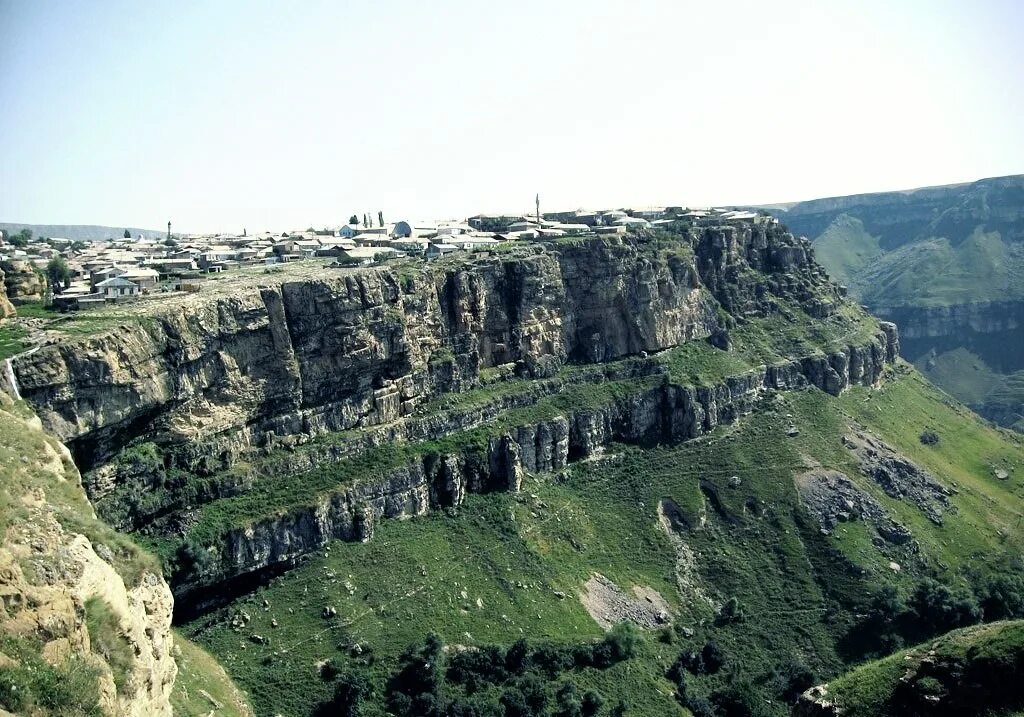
(127, 234)
(353, 221)
(380, 219)
(21, 239)
(79, 245)
(58, 273)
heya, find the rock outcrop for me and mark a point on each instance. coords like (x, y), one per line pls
(6, 307)
(22, 282)
(61, 591)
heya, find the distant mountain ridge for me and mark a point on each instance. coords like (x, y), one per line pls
(946, 263)
(78, 232)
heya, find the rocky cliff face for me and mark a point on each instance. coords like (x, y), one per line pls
(107, 641)
(358, 348)
(216, 383)
(986, 327)
(660, 413)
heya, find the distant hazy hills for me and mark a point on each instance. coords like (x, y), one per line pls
(937, 246)
(947, 265)
(76, 232)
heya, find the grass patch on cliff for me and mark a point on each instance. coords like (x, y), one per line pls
(12, 340)
(282, 493)
(108, 641)
(202, 686)
(30, 685)
(31, 461)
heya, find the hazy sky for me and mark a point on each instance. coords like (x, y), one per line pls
(225, 115)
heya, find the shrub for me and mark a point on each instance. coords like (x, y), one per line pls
(1002, 596)
(739, 699)
(592, 703)
(622, 641)
(929, 438)
(350, 691)
(792, 679)
(700, 707)
(731, 611)
(939, 608)
(416, 687)
(712, 657)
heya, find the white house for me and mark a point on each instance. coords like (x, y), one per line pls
(117, 288)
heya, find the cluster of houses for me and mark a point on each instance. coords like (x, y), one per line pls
(125, 268)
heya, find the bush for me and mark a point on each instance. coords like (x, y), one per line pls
(712, 657)
(350, 691)
(1002, 597)
(731, 612)
(929, 438)
(592, 703)
(739, 699)
(622, 641)
(939, 608)
(792, 679)
(700, 707)
(416, 687)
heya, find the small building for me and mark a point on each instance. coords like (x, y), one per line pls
(438, 249)
(143, 278)
(117, 287)
(402, 229)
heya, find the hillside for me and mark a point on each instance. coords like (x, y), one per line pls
(436, 488)
(79, 232)
(970, 671)
(947, 265)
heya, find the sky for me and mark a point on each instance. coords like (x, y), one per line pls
(274, 116)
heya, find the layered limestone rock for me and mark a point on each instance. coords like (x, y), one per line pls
(662, 413)
(356, 348)
(364, 347)
(53, 578)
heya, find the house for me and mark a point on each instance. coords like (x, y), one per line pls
(365, 255)
(411, 245)
(102, 273)
(523, 226)
(144, 279)
(117, 288)
(172, 264)
(470, 242)
(436, 249)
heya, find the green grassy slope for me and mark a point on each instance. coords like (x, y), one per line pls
(504, 567)
(917, 256)
(846, 249)
(974, 670)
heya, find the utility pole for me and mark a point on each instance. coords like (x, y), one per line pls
(537, 202)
